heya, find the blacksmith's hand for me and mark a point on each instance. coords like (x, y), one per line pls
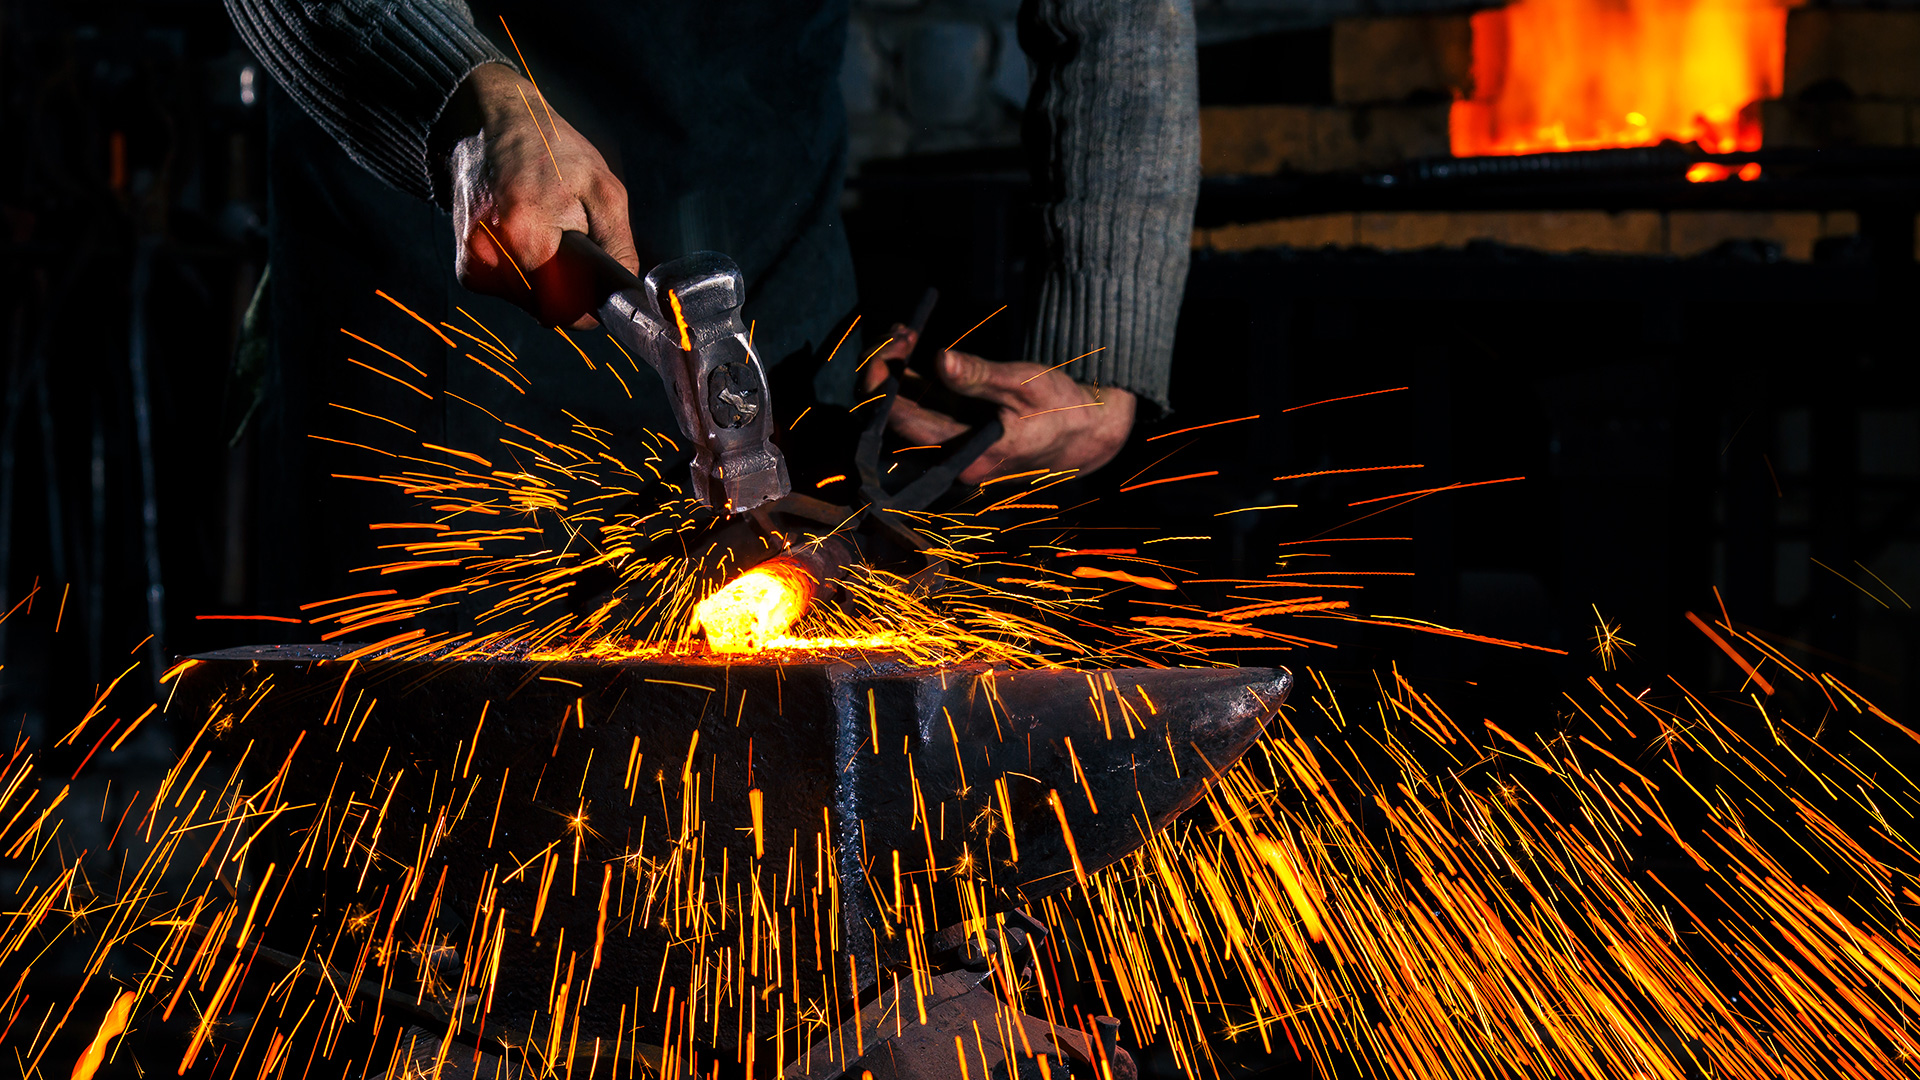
(1051, 421)
(517, 180)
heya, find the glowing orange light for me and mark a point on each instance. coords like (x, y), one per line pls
(754, 609)
(111, 1028)
(1707, 172)
(1590, 74)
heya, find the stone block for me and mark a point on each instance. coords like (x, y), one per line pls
(1696, 232)
(1376, 136)
(1296, 12)
(1633, 232)
(946, 70)
(1682, 233)
(1255, 140)
(1012, 75)
(1639, 232)
(1817, 124)
(1872, 53)
(862, 70)
(1260, 140)
(1402, 58)
(1304, 233)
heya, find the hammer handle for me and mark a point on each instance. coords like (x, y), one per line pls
(600, 274)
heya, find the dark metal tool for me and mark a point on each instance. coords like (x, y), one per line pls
(917, 378)
(961, 451)
(684, 320)
(825, 537)
(841, 784)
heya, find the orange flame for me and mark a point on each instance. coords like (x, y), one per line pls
(754, 609)
(1590, 74)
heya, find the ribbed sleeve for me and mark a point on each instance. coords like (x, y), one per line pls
(1113, 134)
(374, 73)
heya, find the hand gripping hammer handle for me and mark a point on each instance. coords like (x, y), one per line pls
(684, 320)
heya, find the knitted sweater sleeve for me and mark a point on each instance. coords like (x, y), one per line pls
(1113, 138)
(375, 74)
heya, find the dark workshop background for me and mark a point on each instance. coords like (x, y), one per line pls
(1736, 418)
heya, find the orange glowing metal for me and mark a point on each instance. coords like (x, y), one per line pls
(680, 320)
(1707, 172)
(754, 609)
(1121, 575)
(111, 1028)
(1589, 74)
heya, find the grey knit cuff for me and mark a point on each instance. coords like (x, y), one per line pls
(375, 74)
(1113, 136)
(1128, 314)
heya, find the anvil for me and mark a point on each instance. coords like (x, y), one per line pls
(852, 793)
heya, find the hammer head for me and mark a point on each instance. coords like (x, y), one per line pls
(685, 320)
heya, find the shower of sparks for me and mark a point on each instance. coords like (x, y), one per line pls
(562, 546)
(1674, 883)
(1608, 644)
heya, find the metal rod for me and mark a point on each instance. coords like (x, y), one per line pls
(96, 542)
(9, 428)
(56, 511)
(143, 436)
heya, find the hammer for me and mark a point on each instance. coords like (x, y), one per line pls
(684, 319)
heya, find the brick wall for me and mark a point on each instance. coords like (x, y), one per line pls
(1852, 79)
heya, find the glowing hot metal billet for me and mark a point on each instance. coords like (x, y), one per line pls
(757, 607)
(761, 832)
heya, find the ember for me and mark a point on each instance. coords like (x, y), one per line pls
(1586, 75)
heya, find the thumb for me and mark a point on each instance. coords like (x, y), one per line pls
(971, 376)
(974, 377)
(876, 367)
(609, 228)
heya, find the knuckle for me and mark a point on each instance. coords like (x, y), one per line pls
(607, 188)
(521, 229)
(511, 222)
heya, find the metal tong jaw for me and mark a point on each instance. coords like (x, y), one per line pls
(685, 321)
(962, 450)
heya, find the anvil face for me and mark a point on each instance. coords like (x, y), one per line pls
(757, 821)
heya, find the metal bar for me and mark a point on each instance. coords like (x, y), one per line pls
(143, 436)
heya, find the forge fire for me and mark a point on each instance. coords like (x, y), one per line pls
(1592, 74)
